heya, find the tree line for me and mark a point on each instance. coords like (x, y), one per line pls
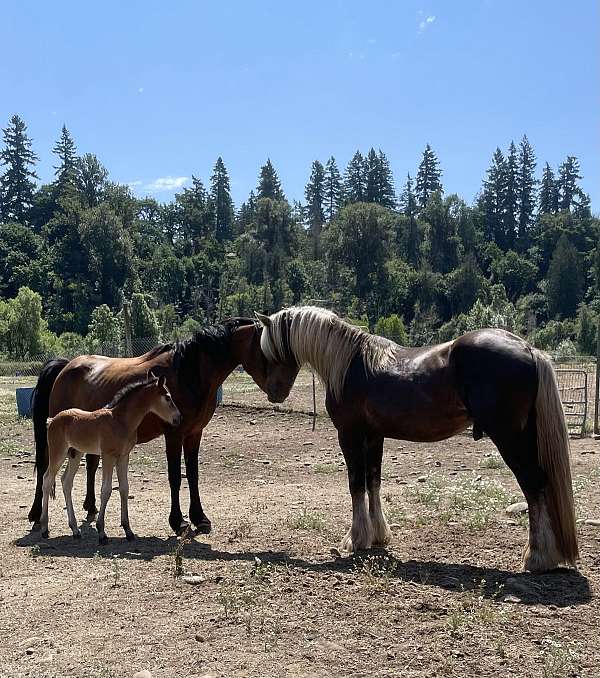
(415, 264)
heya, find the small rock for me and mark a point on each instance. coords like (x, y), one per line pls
(592, 521)
(396, 526)
(193, 579)
(29, 650)
(200, 638)
(252, 422)
(517, 507)
(510, 598)
(20, 477)
(308, 442)
(335, 552)
(422, 479)
(142, 674)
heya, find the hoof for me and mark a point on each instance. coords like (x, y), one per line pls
(45, 534)
(91, 516)
(204, 526)
(180, 531)
(103, 540)
(346, 545)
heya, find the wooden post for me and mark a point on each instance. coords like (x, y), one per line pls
(597, 397)
(127, 329)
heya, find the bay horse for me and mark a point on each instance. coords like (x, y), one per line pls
(489, 378)
(193, 368)
(110, 433)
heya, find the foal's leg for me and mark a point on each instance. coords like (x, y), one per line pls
(353, 447)
(381, 530)
(191, 448)
(108, 464)
(122, 466)
(56, 457)
(173, 442)
(67, 485)
(89, 503)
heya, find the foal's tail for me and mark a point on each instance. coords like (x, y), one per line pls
(553, 456)
(41, 405)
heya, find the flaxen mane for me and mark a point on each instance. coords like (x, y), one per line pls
(319, 338)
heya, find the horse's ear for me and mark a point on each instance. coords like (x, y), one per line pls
(263, 319)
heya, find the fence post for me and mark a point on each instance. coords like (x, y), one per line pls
(597, 396)
(127, 329)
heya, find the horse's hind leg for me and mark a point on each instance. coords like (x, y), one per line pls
(108, 465)
(57, 453)
(67, 485)
(89, 503)
(381, 530)
(360, 534)
(122, 466)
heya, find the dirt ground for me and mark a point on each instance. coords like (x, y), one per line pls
(269, 597)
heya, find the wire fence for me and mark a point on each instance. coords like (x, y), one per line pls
(576, 378)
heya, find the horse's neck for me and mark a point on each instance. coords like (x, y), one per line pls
(132, 411)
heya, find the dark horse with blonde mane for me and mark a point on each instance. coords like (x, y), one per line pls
(194, 369)
(490, 379)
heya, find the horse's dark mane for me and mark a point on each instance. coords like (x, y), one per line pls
(126, 391)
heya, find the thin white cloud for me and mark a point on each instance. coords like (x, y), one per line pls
(164, 184)
(425, 23)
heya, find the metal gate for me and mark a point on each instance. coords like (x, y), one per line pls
(573, 387)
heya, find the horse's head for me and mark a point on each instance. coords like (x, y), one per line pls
(274, 377)
(162, 402)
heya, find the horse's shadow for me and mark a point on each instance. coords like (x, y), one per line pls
(561, 587)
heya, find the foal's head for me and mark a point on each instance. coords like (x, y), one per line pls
(161, 402)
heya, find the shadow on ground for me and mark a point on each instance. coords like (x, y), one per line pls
(561, 587)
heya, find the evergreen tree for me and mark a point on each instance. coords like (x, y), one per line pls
(408, 205)
(494, 199)
(16, 185)
(372, 177)
(548, 192)
(145, 331)
(525, 191)
(428, 177)
(568, 176)
(269, 185)
(387, 194)
(334, 198)
(66, 170)
(564, 282)
(355, 187)
(315, 199)
(511, 197)
(223, 204)
(91, 179)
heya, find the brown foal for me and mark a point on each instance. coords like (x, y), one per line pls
(111, 433)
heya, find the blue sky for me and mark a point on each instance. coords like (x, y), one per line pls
(159, 90)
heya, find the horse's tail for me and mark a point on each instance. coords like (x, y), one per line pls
(41, 407)
(553, 456)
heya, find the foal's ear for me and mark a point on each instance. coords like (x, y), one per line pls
(263, 319)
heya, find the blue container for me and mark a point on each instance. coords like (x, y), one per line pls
(24, 401)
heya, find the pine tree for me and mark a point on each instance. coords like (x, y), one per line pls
(428, 177)
(568, 176)
(16, 185)
(334, 198)
(511, 197)
(563, 288)
(315, 199)
(372, 177)
(223, 204)
(525, 191)
(408, 205)
(494, 199)
(66, 170)
(91, 179)
(548, 192)
(355, 188)
(269, 185)
(387, 194)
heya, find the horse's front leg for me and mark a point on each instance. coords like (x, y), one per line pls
(360, 535)
(381, 530)
(89, 503)
(191, 448)
(173, 440)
